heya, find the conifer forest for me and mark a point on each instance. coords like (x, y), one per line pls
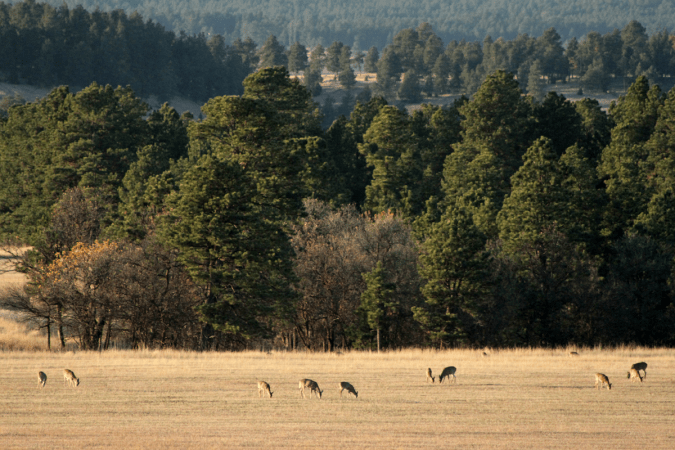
(510, 217)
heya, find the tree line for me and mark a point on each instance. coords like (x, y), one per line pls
(364, 24)
(500, 221)
(47, 46)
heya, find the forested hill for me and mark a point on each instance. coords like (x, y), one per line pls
(364, 24)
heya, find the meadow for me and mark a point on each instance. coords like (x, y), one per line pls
(518, 398)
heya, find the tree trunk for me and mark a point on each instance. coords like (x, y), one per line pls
(59, 326)
(378, 340)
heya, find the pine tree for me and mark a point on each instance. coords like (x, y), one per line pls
(453, 262)
(623, 161)
(272, 53)
(297, 58)
(410, 91)
(390, 149)
(377, 300)
(372, 57)
(537, 199)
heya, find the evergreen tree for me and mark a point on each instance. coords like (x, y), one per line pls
(372, 58)
(535, 84)
(537, 199)
(495, 134)
(596, 127)
(623, 161)
(557, 119)
(297, 58)
(388, 72)
(410, 91)
(390, 149)
(333, 54)
(453, 262)
(376, 300)
(234, 255)
(272, 53)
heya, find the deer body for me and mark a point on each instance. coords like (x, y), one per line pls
(429, 376)
(344, 386)
(264, 388)
(42, 379)
(634, 374)
(70, 378)
(312, 386)
(601, 380)
(640, 366)
(446, 374)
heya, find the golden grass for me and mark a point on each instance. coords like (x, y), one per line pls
(526, 398)
(16, 336)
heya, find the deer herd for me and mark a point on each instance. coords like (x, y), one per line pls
(601, 380)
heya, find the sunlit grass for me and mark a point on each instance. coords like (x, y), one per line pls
(513, 398)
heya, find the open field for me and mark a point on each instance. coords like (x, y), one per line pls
(166, 399)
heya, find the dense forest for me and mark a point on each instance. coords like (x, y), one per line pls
(500, 221)
(504, 219)
(47, 46)
(364, 24)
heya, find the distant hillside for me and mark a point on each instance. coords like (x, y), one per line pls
(363, 24)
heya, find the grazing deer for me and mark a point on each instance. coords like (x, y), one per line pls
(640, 366)
(263, 388)
(42, 379)
(312, 386)
(433, 379)
(485, 354)
(70, 378)
(573, 354)
(446, 374)
(602, 379)
(344, 386)
(633, 374)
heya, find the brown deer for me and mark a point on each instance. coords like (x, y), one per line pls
(312, 386)
(601, 380)
(429, 376)
(263, 388)
(70, 378)
(446, 374)
(42, 379)
(344, 386)
(633, 374)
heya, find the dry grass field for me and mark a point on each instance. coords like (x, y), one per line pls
(525, 399)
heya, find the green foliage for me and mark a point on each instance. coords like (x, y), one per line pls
(272, 53)
(390, 149)
(219, 236)
(453, 263)
(623, 161)
(65, 140)
(297, 57)
(376, 300)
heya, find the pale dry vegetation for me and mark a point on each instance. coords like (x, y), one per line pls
(170, 399)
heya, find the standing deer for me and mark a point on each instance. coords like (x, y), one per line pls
(433, 379)
(42, 379)
(446, 374)
(573, 354)
(70, 378)
(633, 374)
(601, 380)
(640, 366)
(344, 386)
(263, 388)
(312, 386)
